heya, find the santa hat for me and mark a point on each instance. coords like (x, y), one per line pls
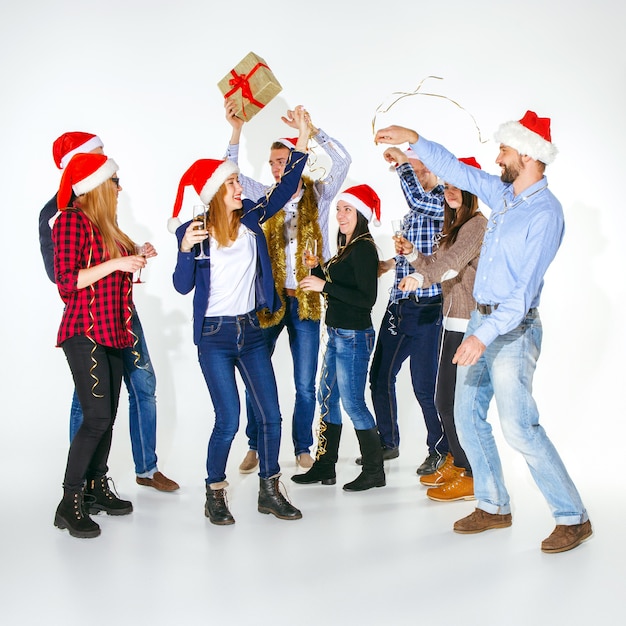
(84, 173)
(69, 144)
(206, 176)
(288, 142)
(529, 136)
(411, 154)
(364, 199)
(471, 161)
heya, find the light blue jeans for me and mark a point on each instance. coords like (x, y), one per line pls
(343, 376)
(505, 371)
(140, 381)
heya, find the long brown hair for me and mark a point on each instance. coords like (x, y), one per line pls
(100, 207)
(453, 219)
(222, 225)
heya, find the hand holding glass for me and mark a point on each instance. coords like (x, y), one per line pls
(199, 216)
(310, 254)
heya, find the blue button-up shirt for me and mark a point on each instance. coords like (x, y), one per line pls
(523, 235)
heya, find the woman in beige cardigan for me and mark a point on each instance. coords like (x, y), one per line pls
(453, 264)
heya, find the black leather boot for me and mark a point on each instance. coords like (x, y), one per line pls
(72, 515)
(216, 507)
(272, 501)
(323, 469)
(105, 499)
(373, 472)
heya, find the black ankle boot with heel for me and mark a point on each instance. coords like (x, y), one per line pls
(323, 469)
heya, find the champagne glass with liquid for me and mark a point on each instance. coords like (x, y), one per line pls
(310, 254)
(199, 218)
(140, 251)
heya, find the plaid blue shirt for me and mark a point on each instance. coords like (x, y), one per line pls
(420, 225)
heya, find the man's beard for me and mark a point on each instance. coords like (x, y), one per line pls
(510, 172)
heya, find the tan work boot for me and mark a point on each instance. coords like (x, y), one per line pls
(459, 488)
(446, 472)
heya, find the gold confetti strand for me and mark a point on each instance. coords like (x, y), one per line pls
(417, 92)
(129, 325)
(321, 439)
(94, 362)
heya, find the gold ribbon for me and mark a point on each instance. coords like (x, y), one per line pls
(416, 92)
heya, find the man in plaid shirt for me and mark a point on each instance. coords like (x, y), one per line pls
(412, 322)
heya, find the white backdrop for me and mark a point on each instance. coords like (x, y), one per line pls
(142, 74)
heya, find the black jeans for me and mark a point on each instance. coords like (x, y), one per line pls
(444, 396)
(98, 391)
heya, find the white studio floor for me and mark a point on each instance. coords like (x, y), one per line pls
(385, 556)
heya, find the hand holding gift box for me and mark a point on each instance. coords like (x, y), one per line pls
(251, 85)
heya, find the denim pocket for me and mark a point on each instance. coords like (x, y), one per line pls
(411, 316)
(210, 328)
(344, 333)
(254, 321)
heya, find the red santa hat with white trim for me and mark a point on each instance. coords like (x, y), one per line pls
(84, 173)
(530, 136)
(365, 200)
(69, 144)
(288, 142)
(206, 176)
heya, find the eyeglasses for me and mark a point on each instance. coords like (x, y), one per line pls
(116, 181)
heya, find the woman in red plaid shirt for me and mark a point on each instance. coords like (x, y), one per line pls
(94, 263)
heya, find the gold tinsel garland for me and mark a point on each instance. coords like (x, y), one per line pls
(309, 304)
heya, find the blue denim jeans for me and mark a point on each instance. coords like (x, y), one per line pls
(344, 374)
(140, 382)
(304, 343)
(229, 343)
(408, 330)
(505, 370)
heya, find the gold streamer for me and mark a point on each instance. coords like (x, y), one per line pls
(94, 362)
(416, 92)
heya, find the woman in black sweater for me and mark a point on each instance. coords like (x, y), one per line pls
(349, 284)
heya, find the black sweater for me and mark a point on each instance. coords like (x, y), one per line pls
(351, 285)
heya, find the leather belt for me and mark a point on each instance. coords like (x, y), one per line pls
(486, 309)
(290, 292)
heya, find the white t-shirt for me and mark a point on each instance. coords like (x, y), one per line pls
(233, 270)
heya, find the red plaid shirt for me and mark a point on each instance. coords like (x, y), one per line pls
(101, 311)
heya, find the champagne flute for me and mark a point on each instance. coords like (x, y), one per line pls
(199, 216)
(141, 251)
(397, 227)
(310, 254)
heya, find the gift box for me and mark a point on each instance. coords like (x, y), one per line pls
(251, 85)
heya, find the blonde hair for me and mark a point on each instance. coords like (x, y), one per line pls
(223, 226)
(100, 207)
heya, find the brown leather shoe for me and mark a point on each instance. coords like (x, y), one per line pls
(480, 520)
(250, 462)
(159, 481)
(448, 471)
(459, 488)
(565, 538)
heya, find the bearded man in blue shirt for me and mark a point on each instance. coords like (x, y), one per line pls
(503, 340)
